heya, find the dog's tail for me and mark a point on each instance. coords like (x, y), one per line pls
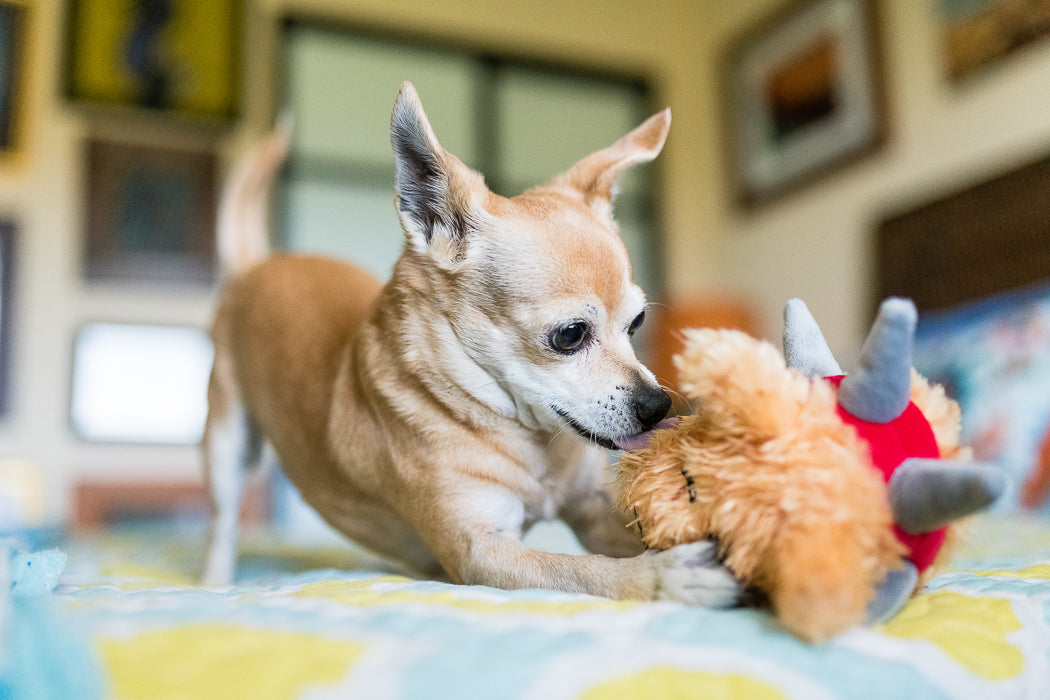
(243, 232)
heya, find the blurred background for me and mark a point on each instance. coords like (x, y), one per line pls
(805, 136)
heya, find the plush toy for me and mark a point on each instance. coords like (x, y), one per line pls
(832, 495)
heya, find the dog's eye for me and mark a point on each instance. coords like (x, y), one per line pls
(636, 323)
(570, 337)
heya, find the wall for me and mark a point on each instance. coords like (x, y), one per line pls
(660, 40)
(42, 188)
(817, 243)
(813, 244)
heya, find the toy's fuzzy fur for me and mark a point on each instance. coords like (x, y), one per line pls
(768, 470)
(945, 417)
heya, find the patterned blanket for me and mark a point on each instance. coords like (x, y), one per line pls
(127, 621)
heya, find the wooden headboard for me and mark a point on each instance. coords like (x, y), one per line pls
(981, 240)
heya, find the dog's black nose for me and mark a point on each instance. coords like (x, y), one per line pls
(650, 406)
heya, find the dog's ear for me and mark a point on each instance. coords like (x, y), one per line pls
(437, 195)
(597, 176)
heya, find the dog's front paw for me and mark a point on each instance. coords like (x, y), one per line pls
(692, 574)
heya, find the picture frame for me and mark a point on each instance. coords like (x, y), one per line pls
(804, 96)
(7, 269)
(980, 33)
(150, 214)
(12, 55)
(172, 57)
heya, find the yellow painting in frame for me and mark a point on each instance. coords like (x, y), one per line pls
(12, 74)
(179, 56)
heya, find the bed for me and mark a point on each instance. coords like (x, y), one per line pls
(126, 620)
(120, 615)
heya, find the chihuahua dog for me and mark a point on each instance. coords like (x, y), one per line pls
(435, 418)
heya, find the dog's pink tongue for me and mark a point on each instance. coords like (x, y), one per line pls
(641, 440)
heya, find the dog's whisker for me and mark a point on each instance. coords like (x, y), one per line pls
(673, 392)
(560, 430)
(679, 395)
(494, 382)
(555, 435)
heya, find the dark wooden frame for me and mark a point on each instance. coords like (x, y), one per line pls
(115, 170)
(743, 106)
(12, 67)
(177, 103)
(986, 37)
(7, 268)
(98, 505)
(980, 240)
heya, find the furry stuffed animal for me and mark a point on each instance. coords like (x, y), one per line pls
(831, 495)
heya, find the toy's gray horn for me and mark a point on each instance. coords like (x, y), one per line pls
(879, 387)
(804, 346)
(927, 494)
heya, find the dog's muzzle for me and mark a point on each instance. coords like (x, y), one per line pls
(649, 407)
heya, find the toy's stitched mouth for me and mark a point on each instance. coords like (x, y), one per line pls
(624, 443)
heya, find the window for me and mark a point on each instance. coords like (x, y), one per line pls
(140, 384)
(518, 123)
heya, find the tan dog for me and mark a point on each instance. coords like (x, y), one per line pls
(436, 418)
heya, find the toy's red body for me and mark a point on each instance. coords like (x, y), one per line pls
(891, 443)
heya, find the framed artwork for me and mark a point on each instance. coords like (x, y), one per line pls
(172, 56)
(7, 266)
(12, 39)
(803, 95)
(978, 33)
(150, 214)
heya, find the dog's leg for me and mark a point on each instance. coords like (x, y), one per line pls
(479, 544)
(600, 526)
(231, 447)
(590, 508)
(687, 573)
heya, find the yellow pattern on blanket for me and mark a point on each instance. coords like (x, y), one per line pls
(396, 590)
(683, 685)
(227, 662)
(971, 630)
(1038, 571)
